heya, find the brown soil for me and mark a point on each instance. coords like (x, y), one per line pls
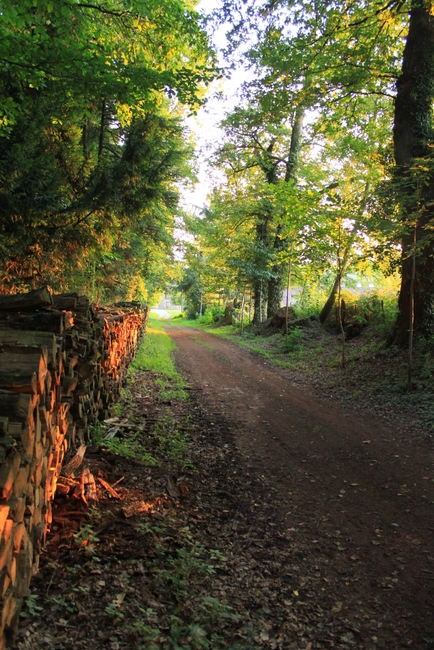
(355, 496)
(316, 517)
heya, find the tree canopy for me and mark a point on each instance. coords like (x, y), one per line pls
(92, 146)
(324, 164)
(339, 109)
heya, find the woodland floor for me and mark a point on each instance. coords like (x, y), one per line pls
(308, 521)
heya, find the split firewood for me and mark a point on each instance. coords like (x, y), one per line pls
(23, 337)
(61, 368)
(69, 384)
(183, 489)
(111, 420)
(62, 489)
(111, 433)
(63, 521)
(64, 485)
(75, 462)
(26, 301)
(41, 321)
(88, 486)
(109, 488)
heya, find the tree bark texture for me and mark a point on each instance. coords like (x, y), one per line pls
(262, 236)
(275, 284)
(413, 136)
(37, 299)
(328, 306)
(257, 301)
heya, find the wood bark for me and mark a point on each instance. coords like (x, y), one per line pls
(20, 337)
(40, 321)
(262, 235)
(38, 298)
(413, 139)
(281, 319)
(44, 411)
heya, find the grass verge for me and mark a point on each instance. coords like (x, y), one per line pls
(155, 355)
(153, 382)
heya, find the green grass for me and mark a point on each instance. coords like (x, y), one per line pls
(130, 446)
(226, 331)
(155, 353)
(178, 320)
(154, 356)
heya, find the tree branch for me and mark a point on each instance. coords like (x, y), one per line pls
(103, 10)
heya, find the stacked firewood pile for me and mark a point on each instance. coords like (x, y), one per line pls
(62, 363)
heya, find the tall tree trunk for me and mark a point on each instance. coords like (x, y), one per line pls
(413, 138)
(294, 149)
(258, 300)
(275, 284)
(262, 233)
(288, 290)
(410, 336)
(242, 310)
(328, 306)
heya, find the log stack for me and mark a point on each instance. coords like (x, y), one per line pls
(62, 362)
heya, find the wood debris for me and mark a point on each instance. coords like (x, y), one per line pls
(75, 462)
(109, 488)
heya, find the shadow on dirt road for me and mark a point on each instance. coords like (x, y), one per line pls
(355, 499)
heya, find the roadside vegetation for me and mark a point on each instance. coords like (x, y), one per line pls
(164, 385)
(310, 354)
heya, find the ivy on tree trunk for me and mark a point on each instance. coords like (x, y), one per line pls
(413, 139)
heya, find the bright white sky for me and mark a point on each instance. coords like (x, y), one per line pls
(204, 125)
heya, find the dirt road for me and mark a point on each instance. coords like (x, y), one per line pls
(354, 497)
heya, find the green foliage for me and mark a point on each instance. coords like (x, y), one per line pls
(116, 51)
(300, 197)
(113, 611)
(207, 319)
(129, 446)
(92, 148)
(293, 340)
(171, 443)
(192, 290)
(154, 353)
(164, 442)
(86, 539)
(32, 608)
(147, 631)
